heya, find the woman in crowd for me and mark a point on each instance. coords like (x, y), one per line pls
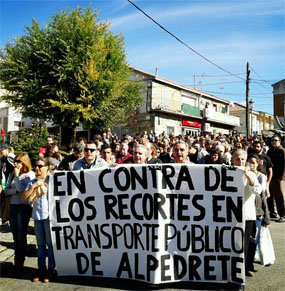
(213, 158)
(262, 213)
(20, 212)
(252, 188)
(37, 195)
(54, 157)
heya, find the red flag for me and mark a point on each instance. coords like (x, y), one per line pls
(2, 132)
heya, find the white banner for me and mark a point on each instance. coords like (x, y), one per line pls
(154, 223)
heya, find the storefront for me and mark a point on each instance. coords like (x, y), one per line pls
(191, 126)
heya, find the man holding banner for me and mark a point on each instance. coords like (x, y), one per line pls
(158, 223)
(140, 154)
(91, 158)
(180, 153)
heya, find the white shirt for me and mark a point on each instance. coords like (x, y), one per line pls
(249, 196)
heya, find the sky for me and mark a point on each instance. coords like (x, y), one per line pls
(229, 33)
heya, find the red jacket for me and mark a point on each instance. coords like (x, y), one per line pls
(128, 159)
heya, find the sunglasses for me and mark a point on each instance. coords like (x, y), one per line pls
(275, 140)
(39, 166)
(91, 150)
(17, 161)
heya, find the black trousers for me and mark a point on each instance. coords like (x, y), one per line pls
(250, 230)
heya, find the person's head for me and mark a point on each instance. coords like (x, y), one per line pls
(106, 153)
(159, 150)
(82, 140)
(239, 157)
(253, 162)
(10, 150)
(149, 149)
(227, 148)
(140, 154)
(113, 159)
(23, 162)
(124, 148)
(196, 146)
(42, 168)
(275, 141)
(49, 141)
(180, 151)
(221, 149)
(214, 155)
(90, 152)
(78, 150)
(97, 139)
(257, 147)
(4, 150)
(238, 145)
(131, 146)
(54, 148)
(165, 145)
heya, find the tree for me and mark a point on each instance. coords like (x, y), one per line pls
(30, 140)
(72, 71)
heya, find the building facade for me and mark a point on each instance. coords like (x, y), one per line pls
(170, 107)
(279, 103)
(258, 120)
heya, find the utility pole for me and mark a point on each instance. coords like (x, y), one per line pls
(247, 101)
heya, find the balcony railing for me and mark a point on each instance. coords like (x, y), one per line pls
(212, 115)
(188, 109)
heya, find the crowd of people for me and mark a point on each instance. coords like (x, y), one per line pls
(264, 180)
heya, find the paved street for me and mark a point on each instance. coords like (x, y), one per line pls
(267, 278)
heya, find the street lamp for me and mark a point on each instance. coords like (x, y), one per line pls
(251, 104)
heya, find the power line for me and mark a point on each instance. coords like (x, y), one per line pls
(255, 72)
(241, 94)
(256, 83)
(266, 81)
(217, 76)
(221, 83)
(179, 40)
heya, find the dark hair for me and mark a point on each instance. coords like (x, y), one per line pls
(79, 147)
(105, 146)
(44, 160)
(82, 139)
(257, 142)
(259, 167)
(97, 136)
(276, 136)
(214, 151)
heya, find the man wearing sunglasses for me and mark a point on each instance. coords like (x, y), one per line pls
(277, 185)
(91, 158)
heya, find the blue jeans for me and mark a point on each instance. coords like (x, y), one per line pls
(254, 241)
(258, 229)
(20, 215)
(44, 238)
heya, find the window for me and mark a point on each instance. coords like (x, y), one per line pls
(188, 100)
(215, 107)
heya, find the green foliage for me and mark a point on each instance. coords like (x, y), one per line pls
(74, 70)
(30, 140)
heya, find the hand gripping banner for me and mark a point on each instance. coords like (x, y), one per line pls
(153, 223)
